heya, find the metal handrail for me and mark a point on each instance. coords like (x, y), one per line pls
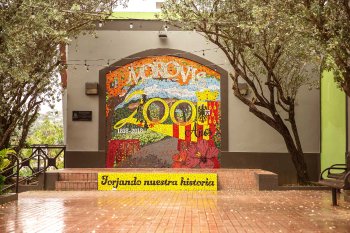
(43, 170)
(41, 149)
(41, 153)
(16, 165)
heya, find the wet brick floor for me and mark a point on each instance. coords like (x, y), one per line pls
(222, 211)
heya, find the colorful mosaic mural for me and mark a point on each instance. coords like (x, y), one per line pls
(163, 111)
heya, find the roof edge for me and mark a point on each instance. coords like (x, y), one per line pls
(134, 15)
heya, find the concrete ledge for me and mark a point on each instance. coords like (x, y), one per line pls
(266, 180)
(50, 180)
(32, 187)
(25, 188)
(8, 197)
(307, 187)
(279, 163)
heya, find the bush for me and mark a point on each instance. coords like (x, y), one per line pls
(4, 162)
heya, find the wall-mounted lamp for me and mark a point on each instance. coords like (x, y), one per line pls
(91, 88)
(243, 88)
(163, 32)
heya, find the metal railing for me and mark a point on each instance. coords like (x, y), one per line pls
(25, 168)
(45, 150)
(8, 173)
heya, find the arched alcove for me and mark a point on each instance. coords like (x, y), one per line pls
(165, 104)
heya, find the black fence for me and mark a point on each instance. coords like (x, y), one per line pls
(30, 162)
(52, 154)
(11, 173)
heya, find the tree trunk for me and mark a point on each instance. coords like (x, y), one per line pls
(346, 84)
(276, 122)
(6, 136)
(5, 144)
(297, 158)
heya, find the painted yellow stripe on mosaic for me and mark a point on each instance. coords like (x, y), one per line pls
(157, 181)
(193, 134)
(163, 129)
(182, 132)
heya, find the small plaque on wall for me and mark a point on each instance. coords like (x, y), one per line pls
(82, 115)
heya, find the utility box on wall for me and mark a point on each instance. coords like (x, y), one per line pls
(91, 88)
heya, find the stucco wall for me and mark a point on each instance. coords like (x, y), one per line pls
(116, 41)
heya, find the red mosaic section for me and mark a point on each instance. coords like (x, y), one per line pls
(121, 149)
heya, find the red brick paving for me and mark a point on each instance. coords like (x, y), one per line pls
(222, 211)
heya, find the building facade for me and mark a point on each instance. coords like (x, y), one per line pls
(164, 99)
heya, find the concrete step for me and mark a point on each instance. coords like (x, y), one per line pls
(76, 185)
(77, 176)
(76, 181)
(8, 197)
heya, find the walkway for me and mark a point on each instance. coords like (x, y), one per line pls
(222, 211)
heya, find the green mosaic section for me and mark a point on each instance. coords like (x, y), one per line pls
(333, 122)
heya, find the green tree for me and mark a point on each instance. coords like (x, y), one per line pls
(266, 51)
(33, 35)
(4, 163)
(330, 23)
(46, 131)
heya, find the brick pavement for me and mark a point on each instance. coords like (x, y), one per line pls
(222, 211)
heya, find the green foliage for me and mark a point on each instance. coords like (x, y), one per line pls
(183, 112)
(31, 36)
(4, 162)
(155, 111)
(217, 137)
(258, 37)
(146, 137)
(47, 131)
(329, 21)
(268, 46)
(121, 113)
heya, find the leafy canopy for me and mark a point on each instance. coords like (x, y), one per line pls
(32, 39)
(329, 21)
(269, 48)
